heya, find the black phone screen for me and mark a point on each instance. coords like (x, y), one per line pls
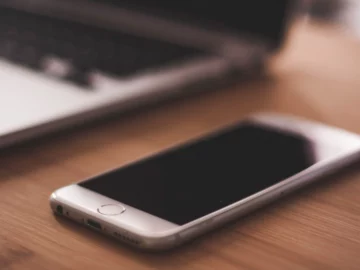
(201, 177)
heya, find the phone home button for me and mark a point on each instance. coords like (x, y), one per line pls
(111, 209)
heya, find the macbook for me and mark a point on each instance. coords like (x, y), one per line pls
(67, 62)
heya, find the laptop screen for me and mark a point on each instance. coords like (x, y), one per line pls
(259, 18)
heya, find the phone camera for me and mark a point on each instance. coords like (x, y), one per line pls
(59, 209)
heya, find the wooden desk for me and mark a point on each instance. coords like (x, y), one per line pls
(318, 77)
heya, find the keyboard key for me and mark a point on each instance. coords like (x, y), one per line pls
(29, 37)
(57, 67)
(80, 77)
(8, 49)
(27, 56)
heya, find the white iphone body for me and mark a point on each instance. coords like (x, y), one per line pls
(164, 200)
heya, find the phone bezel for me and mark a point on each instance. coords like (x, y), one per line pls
(155, 233)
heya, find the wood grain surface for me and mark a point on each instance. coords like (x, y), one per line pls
(316, 76)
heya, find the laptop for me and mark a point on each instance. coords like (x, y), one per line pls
(67, 62)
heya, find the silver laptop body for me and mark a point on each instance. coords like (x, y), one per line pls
(48, 83)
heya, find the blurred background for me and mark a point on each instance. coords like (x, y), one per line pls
(345, 13)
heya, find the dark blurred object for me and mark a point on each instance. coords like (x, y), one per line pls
(343, 13)
(328, 10)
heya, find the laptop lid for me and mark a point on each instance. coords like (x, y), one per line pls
(260, 19)
(225, 22)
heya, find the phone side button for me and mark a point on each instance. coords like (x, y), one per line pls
(111, 209)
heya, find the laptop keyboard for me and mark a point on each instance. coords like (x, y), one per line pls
(73, 51)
